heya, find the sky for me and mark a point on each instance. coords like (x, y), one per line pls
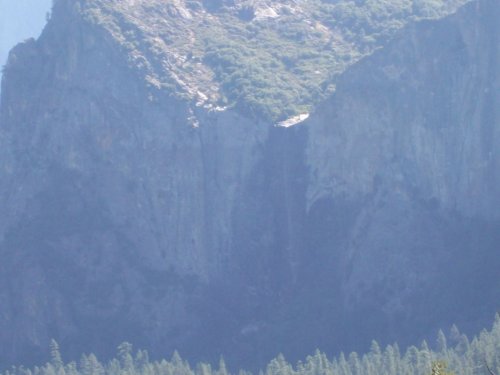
(20, 20)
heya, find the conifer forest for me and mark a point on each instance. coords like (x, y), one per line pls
(452, 354)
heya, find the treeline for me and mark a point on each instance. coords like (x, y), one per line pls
(456, 352)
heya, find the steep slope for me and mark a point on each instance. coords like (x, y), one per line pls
(268, 58)
(116, 207)
(136, 208)
(410, 144)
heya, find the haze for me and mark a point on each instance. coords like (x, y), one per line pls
(19, 20)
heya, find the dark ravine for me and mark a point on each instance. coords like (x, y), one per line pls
(130, 213)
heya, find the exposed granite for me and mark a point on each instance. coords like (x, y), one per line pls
(130, 212)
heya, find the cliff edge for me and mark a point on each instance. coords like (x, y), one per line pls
(143, 200)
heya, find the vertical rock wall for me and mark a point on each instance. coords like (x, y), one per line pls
(130, 213)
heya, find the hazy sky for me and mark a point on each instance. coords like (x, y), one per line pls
(19, 20)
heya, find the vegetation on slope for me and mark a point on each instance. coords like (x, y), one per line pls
(453, 355)
(270, 59)
(280, 66)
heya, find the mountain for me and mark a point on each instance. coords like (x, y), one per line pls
(153, 191)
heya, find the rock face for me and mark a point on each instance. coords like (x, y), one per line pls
(410, 143)
(130, 212)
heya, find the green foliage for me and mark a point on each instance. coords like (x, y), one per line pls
(55, 355)
(281, 67)
(266, 76)
(469, 358)
(270, 68)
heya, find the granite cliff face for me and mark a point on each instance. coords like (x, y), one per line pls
(135, 207)
(410, 143)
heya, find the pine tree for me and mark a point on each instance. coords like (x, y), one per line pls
(376, 356)
(125, 356)
(222, 367)
(55, 355)
(424, 359)
(442, 345)
(354, 363)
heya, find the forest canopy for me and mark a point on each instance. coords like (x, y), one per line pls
(451, 354)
